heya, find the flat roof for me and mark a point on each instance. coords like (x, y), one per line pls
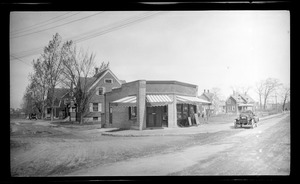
(170, 82)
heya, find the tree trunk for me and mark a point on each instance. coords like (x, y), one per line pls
(265, 103)
(260, 102)
(283, 105)
(52, 104)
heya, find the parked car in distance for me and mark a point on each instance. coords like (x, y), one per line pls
(33, 116)
(246, 118)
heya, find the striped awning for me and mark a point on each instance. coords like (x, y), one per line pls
(190, 100)
(129, 101)
(158, 100)
(151, 100)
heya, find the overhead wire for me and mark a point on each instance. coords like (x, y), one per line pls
(108, 30)
(38, 24)
(92, 34)
(18, 59)
(55, 26)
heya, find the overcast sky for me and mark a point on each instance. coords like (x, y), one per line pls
(207, 48)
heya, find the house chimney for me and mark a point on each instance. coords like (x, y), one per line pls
(204, 90)
(96, 70)
(208, 91)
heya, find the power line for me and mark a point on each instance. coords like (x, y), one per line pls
(114, 28)
(36, 50)
(56, 26)
(119, 25)
(18, 59)
(40, 23)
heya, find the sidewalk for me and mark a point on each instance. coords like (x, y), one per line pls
(202, 128)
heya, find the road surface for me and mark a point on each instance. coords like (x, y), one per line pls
(264, 150)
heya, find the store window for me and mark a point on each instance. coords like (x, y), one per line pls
(132, 112)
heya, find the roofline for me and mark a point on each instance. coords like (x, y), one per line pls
(107, 70)
(170, 82)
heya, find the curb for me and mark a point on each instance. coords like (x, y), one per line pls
(181, 134)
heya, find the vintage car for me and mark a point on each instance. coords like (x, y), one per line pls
(33, 116)
(246, 118)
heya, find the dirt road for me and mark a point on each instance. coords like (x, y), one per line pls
(264, 150)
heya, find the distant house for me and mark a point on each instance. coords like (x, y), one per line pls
(101, 83)
(238, 102)
(216, 105)
(222, 106)
(62, 97)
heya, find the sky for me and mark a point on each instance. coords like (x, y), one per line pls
(222, 49)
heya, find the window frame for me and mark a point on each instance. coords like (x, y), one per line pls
(110, 79)
(95, 106)
(98, 91)
(132, 113)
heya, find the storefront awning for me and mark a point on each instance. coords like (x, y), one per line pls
(129, 101)
(158, 100)
(191, 100)
(151, 100)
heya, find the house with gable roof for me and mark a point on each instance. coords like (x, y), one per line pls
(61, 110)
(238, 102)
(217, 106)
(102, 82)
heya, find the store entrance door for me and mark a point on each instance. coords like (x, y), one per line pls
(154, 116)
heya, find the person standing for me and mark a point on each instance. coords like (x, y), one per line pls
(204, 115)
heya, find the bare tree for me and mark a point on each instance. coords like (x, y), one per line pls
(31, 100)
(241, 89)
(78, 67)
(285, 94)
(270, 85)
(40, 82)
(52, 61)
(216, 101)
(260, 91)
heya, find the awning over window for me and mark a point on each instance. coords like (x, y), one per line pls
(151, 100)
(191, 100)
(158, 100)
(129, 101)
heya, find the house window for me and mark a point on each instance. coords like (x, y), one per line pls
(233, 108)
(101, 90)
(95, 107)
(109, 81)
(132, 112)
(95, 118)
(229, 101)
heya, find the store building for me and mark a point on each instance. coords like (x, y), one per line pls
(145, 104)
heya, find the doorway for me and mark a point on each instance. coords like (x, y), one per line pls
(157, 116)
